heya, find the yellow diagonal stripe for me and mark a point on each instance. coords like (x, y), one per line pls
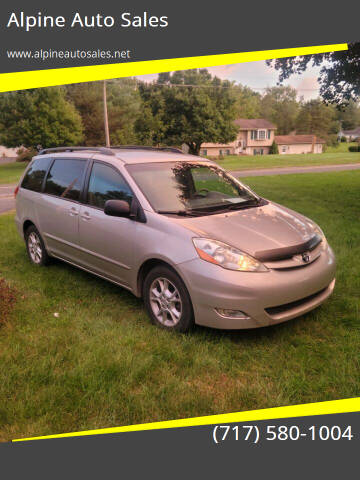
(61, 76)
(305, 410)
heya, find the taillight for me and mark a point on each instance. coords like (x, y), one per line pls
(16, 191)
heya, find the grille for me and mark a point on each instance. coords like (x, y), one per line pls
(288, 306)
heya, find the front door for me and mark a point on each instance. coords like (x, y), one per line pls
(107, 242)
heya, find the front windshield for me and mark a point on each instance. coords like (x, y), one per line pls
(186, 186)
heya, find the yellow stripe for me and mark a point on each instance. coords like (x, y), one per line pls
(61, 76)
(322, 408)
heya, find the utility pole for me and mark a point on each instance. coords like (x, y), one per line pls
(106, 119)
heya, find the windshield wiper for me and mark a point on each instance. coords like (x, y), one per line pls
(248, 203)
(211, 209)
(229, 206)
(183, 213)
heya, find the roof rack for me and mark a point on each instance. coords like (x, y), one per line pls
(146, 147)
(103, 150)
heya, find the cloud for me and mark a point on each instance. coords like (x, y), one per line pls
(259, 76)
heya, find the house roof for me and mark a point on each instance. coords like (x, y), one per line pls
(297, 139)
(355, 131)
(253, 123)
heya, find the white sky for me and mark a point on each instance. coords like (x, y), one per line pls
(258, 75)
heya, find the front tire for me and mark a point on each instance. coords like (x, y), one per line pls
(35, 247)
(167, 300)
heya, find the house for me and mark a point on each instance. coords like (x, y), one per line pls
(350, 135)
(288, 144)
(8, 153)
(255, 137)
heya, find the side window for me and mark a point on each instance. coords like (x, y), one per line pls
(35, 175)
(65, 178)
(107, 184)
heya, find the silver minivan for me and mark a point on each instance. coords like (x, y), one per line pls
(198, 245)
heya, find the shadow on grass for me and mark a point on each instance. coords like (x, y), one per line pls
(96, 286)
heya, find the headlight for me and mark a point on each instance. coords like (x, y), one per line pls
(227, 257)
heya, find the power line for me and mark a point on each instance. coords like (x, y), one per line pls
(184, 85)
(226, 86)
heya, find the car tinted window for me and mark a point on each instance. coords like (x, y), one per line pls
(35, 175)
(107, 184)
(65, 178)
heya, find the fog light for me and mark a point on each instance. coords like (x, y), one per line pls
(232, 314)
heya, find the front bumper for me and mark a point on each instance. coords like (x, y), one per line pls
(267, 298)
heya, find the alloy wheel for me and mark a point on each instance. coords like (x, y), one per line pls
(165, 302)
(35, 249)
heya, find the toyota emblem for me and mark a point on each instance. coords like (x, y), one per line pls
(306, 257)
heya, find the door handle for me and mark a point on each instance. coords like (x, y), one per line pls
(74, 211)
(86, 216)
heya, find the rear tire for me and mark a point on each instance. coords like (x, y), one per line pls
(167, 300)
(35, 247)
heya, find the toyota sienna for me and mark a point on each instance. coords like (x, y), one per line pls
(177, 230)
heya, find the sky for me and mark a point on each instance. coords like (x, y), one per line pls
(259, 76)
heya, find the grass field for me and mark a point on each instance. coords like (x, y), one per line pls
(341, 147)
(11, 172)
(235, 162)
(100, 363)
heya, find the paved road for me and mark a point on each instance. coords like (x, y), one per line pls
(7, 160)
(289, 170)
(7, 201)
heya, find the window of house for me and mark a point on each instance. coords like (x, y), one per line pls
(35, 175)
(227, 152)
(254, 134)
(65, 178)
(283, 149)
(107, 184)
(204, 152)
(268, 134)
(258, 151)
(261, 134)
(221, 152)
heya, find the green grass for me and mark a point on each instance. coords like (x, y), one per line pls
(11, 172)
(235, 162)
(341, 147)
(101, 363)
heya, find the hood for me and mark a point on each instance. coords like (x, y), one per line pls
(254, 230)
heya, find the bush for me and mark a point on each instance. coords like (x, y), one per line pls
(25, 154)
(343, 139)
(354, 148)
(274, 149)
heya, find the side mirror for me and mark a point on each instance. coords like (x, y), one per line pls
(117, 208)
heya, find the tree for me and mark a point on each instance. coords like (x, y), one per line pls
(319, 119)
(339, 76)
(190, 107)
(280, 106)
(123, 109)
(274, 149)
(247, 102)
(349, 115)
(38, 117)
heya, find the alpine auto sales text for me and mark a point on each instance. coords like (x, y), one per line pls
(125, 20)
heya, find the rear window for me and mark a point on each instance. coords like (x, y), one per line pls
(65, 178)
(35, 175)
